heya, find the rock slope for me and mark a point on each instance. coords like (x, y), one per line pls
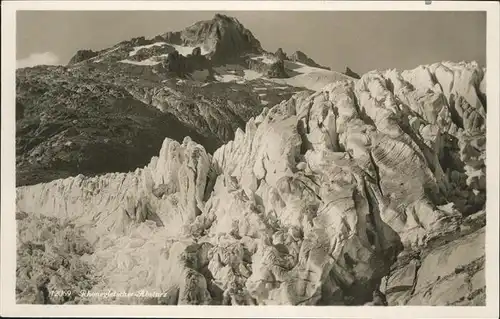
(205, 81)
(363, 192)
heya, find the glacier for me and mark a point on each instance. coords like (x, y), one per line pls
(314, 202)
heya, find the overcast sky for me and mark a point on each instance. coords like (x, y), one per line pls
(361, 40)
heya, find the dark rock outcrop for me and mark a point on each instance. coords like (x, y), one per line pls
(225, 37)
(277, 70)
(181, 66)
(351, 73)
(104, 117)
(299, 56)
(196, 52)
(280, 54)
(146, 53)
(175, 63)
(272, 69)
(82, 55)
(173, 37)
(75, 123)
(140, 41)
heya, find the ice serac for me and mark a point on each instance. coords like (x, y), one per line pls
(449, 272)
(321, 200)
(115, 201)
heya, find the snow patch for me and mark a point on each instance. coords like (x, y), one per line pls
(251, 75)
(137, 48)
(265, 59)
(100, 57)
(200, 75)
(143, 62)
(304, 68)
(314, 81)
(227, 78)
(154, 60)
(185, 50)
(447, 208)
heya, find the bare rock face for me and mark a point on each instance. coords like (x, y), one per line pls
(351, 73)
(280, 54)
(277, 70)
(82, 55)
(140, 41)
(301, 57)
(349, 195)
(273, 67)
(97, 118)
(224, 37)
(78, 121)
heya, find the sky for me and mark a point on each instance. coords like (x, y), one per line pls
(363, 41)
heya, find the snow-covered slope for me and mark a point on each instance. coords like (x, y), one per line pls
(311, 203)
(300, 75)
(313, 80)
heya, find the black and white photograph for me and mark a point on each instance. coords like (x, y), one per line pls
(208, 155)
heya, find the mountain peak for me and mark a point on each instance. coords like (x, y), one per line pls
(224, 37)
(301, 57)
(351, 73)
(218, 41)
(219, 16)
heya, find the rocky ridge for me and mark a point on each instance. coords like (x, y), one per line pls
(351, 73)
(204, 81)
(321, 199)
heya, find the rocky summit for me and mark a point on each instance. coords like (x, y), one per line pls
(205, 170)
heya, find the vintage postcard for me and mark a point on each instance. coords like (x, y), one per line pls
(303, 159)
